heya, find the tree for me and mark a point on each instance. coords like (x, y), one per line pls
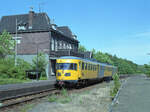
(82, 48)
(147, 69)
(101, 57)
(124, 66)
(6, 44)
(42, 63)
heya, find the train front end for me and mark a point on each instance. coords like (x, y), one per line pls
(66, 72)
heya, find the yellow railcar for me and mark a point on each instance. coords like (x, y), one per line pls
(74, 70)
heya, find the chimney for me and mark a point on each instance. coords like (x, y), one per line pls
(31, 15)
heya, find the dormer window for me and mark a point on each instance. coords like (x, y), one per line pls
(30, 27)
(21, 28)
(54, 27)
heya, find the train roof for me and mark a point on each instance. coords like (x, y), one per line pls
(87, 60)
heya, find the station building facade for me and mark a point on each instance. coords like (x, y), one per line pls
(37, 33)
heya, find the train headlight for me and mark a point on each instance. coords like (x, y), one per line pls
(58, 74)
(67, 74)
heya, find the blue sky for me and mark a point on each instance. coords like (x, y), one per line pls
(120, 27)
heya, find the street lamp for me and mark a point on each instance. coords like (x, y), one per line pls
(16, 43)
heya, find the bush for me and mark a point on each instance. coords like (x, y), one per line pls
(9, 70)
(147, 70)
(42, 63)
(4, 81)
(116, 87)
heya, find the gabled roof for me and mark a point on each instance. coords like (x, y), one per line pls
(66, 30)
(40, 22)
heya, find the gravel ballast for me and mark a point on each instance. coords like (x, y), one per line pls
(93, 99)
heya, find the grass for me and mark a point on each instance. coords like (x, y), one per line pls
(27, 107)
(116, 86)
(4, 81)
(62, 98)
(43, 78)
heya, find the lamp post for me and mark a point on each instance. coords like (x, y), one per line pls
(16, 43)
(37, 61)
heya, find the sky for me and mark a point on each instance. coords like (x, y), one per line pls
(118, 27)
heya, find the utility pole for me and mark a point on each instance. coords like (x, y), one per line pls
(37, 60)
(16, 43)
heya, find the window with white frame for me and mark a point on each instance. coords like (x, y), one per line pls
(52, 44)
(56, 45)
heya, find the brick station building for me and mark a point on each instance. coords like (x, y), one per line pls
(36, 33)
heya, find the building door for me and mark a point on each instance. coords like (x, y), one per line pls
(53, 66)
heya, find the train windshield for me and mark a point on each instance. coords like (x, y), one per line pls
(66, 66)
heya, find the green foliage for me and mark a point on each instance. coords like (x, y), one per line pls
(62, 98)
(42, 63)
(43, 78)
(141, 69)
(6, 44)
(64, 92)
(102, 57)
(82, 48)
(124, 66)
(9, 70)
(52, 98)
(12, 81)
(147, 69)
(116, 87)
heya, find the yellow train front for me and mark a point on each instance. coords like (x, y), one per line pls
(75, 71)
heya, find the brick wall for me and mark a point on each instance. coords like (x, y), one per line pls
(29, 43)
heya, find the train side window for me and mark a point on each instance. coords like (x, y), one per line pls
(90, 66)
(74, 66)
(82, 65)
(103, 67)
(110, 69)
(93, 68)
(79, 65)
(86, 66)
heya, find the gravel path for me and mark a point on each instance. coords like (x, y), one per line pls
(96, 99)
(135, 96)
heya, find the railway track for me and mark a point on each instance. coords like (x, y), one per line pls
(18, 100)
(19, 93)
(34, 93)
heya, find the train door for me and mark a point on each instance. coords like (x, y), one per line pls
(79, 68)
(98, 74)
(102, 70)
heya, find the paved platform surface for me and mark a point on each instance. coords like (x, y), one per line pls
(28, 84)
(135, 96)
